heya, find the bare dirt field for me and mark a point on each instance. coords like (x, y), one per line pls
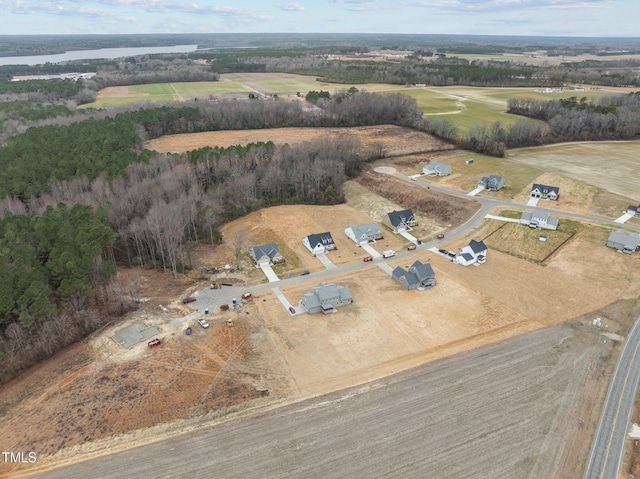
(396, 140)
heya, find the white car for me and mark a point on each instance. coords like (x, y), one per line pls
(203, 323)
(388, 253)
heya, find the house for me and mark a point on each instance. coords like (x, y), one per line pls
(326, 298)
(493, 183)
(363, 233)
(400, 221)
(545, 192)
(539, 219)
(419, 276)
(634, 210)
(436, 168)
(266, 254)
(319, 243)
(627, 243)
(474, 252)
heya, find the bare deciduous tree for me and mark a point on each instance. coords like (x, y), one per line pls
(236, 241)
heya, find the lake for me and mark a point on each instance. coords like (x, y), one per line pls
(103, 53)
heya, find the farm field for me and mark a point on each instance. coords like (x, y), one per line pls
(395, 140)
(609, 165)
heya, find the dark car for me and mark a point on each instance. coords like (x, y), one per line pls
(189, 330)
(443, 251)
(190, 299)
(451, 254)
(292, 310)
(305, 272)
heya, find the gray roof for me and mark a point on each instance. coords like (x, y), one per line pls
(422, 270)
(270, 250)
(410, 278)
(477, 246)
(398, 217)
(370, 229)
(631, 240)
(467, 256)
(437, 166)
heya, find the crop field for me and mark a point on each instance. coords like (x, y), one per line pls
(611, 165)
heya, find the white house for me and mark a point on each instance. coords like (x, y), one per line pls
(539, 219)
(545, 192)
(474, 252)
(319, 243)
(436, 168)
(363, 233)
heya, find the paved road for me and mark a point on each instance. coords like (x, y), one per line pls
(608, 444)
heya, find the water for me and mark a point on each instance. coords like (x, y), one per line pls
(103, 53)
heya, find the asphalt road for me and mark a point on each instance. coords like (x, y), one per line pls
(608, 444)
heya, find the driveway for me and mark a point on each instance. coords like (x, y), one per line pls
(369, 249)
(409, 236)
(533, 201)
(285, 301)
(624, 218)
(325, 261)
(269, 273)
(476, 191)
(386, 268)
(502, 218)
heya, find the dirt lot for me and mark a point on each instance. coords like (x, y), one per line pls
(396, 140)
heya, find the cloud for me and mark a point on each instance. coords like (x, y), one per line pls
(499, 6)
(353, 1)
(290, 7)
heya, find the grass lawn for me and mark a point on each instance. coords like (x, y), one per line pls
(209, 88)
(151, 90)
(465, 177)
(524, 242)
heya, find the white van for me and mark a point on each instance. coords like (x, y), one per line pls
(388, 254)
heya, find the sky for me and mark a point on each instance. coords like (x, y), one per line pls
(591, 18)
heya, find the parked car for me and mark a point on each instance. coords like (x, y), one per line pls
(440, 236)
(247, 296)
(189, 330)
(190, 299)
(411, 247)
(305, 272)
(366, 259)
(413, 179)
(451, 254)
(388, 254)
(292, 310)
(443, 251)
(203, 323)
(154, 342)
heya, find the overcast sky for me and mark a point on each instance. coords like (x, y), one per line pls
(608, 18)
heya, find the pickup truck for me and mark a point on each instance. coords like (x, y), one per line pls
(388, 254)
